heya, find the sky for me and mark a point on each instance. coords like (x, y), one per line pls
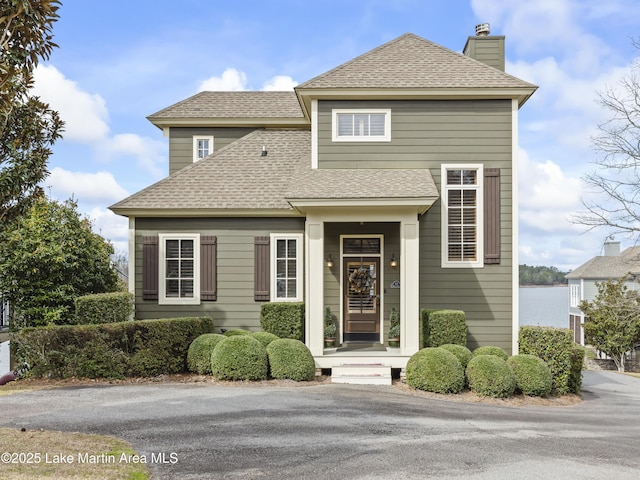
(122, 60)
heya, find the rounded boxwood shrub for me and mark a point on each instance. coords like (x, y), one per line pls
(239, 357)
(533, 376)
(291, 359)
(264, 338)
(490, 350)
(463, 354)
(435, 370)
(489, 375)
(236, 331)
(199, 353)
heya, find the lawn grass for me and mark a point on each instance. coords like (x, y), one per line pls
(86, 456)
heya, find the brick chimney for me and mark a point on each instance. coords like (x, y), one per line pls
(486, 48)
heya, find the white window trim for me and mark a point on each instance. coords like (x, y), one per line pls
(479, 262)
(574, 291)
(357, 138)
(162, 298)
(196, 138)
(299, 266)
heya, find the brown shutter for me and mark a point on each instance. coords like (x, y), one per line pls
(261, 269)
(149, 268)
(208, 268)
(492, 216)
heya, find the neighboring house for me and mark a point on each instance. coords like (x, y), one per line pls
(4, 314)
(388, 181)
(613, 265)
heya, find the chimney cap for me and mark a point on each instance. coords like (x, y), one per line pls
(483, 29)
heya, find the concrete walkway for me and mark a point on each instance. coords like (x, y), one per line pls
(348, 431)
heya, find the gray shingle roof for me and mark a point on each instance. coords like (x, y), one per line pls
(605, 267)
(410, 61)
(237, 177)
(234, 105)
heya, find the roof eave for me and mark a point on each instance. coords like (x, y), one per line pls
(421, 204)
(257, 122)
(522, 94)
(203, 212)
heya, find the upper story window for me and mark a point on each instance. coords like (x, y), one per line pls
(361, 125)
(179, 269)
(202, 147)
(575, 295)
(461, 216)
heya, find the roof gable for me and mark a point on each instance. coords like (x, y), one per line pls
(410, 61)
(609, 267)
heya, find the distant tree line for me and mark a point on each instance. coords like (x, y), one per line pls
(530, 275)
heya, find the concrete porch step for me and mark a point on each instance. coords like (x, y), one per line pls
(361, 373)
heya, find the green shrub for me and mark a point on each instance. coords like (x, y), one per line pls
(424, 323)
(491, 350)
(104, 308)
(533, 376)
(264, 338)
(236, 331)
(240, 357)
(445, 326)
(283, 319)
(490, 376)
(110, 350)
(435, 370)
(291, 359)
(199, 353)
(556, 347)
(463, 354)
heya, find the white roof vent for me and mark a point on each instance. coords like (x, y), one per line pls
(482, 30)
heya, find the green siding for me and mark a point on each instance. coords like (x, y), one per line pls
(425, 134)
(181, 143)
(235, 306)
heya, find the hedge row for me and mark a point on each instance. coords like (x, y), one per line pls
(556, 347)
(111, 350)
(441, 327)
(283, 319)
(104, 308)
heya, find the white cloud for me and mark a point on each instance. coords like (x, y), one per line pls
(112, 227)
(85, 115)
(231, 80)
(98, 187)
(547, 196)
(149, 154)
(280, 83)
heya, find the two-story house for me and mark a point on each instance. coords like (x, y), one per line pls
(388, 181)
(583, 281)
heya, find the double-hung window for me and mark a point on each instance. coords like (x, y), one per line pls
(179, 269)
(462, 232)
(361, 125)
(575, 296)
(202, 146)
(286, 267)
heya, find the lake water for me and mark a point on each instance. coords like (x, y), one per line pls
(544, 306)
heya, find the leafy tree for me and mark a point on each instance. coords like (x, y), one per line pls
(613, 200)
(538, 275)
(48, 257)
(28, 127)
(613, 320)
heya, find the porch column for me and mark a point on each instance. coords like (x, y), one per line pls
(314, 286)
(409, 285)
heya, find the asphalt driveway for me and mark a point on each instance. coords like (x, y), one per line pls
(200, 431)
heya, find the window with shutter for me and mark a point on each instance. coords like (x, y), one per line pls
(261, 269)
(462, 211)
(286, 267)
(179, 269)
(208, 268)
(149, 268)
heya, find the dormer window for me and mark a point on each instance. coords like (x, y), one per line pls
(202, 147)
(361, 125)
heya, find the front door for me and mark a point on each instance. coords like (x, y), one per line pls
(361, 299)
